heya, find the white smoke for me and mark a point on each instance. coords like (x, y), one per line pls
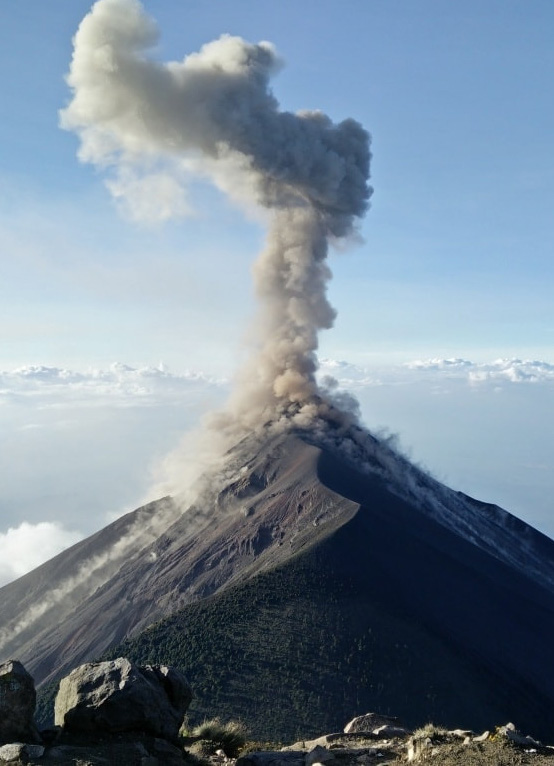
(94, 571)
(214, 113)
(149, 126)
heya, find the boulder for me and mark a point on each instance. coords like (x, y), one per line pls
(18, 751)
(318, 754)
(117, 696)
(17, 704)
(369, 722)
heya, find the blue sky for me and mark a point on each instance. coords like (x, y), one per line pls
(456, 260)
(457, 254)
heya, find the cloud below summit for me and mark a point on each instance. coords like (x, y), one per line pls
(485, 428)
(29, 545)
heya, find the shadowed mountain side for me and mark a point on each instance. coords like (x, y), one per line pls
(372, 617)
(267, 511)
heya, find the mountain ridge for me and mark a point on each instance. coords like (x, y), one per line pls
(463, 589)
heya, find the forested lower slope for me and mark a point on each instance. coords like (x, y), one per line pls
(302, 648)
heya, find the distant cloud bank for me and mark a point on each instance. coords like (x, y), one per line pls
(516, 371)
(123, 385)
(513, 370)
(119, 385)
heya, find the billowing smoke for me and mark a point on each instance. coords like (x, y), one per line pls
(150, 125)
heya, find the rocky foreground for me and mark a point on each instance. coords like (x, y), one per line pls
(119, 713)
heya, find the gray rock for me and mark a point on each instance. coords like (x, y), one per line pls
(34, 751)
(482, 737)
(388, 731)
(329, 739)
(309, 744)
(318, 755)
(17, 704)
(16, 751)
(117, 696)
(461, 733)
(419, 748)
(12, 752)
(510, 732)
(369, 722)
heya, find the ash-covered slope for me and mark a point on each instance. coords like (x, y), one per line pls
(159, 558)
(388, 609)
(434, 597)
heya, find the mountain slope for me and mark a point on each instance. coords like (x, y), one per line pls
(376, 615)
(159, 559)
(319, 575)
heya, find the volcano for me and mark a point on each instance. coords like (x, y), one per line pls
(317, 576)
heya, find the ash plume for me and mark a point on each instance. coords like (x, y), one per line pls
(151, 125)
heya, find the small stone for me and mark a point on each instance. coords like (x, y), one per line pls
(510, 732)
(482, 737)
(388, 731)
(461, 733)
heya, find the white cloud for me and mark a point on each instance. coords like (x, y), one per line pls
(438, 370)
(29, 545)
(439, 364)
(512, 370)
(119, 385)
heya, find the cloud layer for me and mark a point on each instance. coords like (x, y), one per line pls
(81, 447)
(119, 385)
(29, 545)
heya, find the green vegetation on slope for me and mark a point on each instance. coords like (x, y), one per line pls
(301, 649)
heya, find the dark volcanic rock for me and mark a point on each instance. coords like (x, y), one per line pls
(118, 696)
(17, 704)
